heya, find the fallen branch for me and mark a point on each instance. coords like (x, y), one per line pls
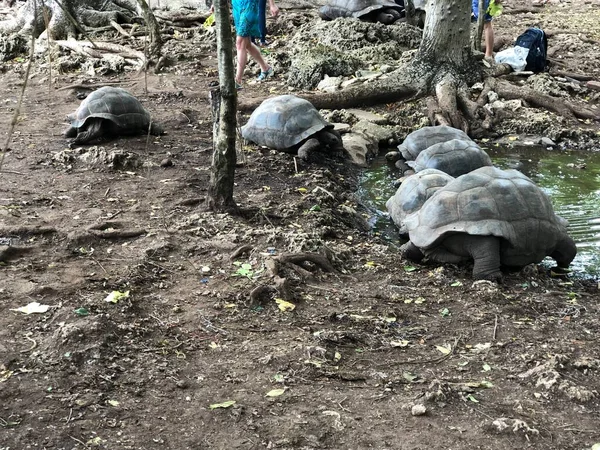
(560, 107)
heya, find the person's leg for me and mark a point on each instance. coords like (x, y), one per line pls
(262, 24)
(257, 56)
(241, 45)
(488, 32)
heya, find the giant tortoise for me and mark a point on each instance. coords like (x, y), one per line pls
(384, 11)
(412, 193)
(425, 137)
(491, 216)
(290, 124)
(454, 157)
(109, 112)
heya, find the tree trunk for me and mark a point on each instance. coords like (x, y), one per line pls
(224, 100)
(67, 15)
(153, 30)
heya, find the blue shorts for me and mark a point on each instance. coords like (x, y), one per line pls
(475, 9)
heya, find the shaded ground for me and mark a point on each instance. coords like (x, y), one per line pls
(504, 367)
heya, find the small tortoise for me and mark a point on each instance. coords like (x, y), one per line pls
(290, 124)
(491, 216)
(454, 157)
(109, 112)
(412, 193)
(425, 137)
(384, 11)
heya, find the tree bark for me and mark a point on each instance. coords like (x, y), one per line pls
(153, 30)
(224, 100)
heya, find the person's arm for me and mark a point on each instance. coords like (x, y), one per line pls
(274, 8)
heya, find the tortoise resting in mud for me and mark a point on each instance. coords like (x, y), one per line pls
(291, 124)
(454, 157)
(412, 193)
(384, 11)
(491, 216)
(109, 112)
(425, 137)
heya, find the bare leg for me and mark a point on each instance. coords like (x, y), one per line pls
(244, 46)
(488, 32)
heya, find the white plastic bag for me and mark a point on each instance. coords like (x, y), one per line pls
(515, 57)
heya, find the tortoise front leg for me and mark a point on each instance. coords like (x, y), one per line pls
(310, 146)
(93, 130)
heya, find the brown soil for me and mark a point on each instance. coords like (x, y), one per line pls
(505, 366)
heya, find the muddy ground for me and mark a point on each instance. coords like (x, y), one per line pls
(377, 353)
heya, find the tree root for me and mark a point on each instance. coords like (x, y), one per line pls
(400, 85)
(534, 98)
(96, 50)
(302, 264)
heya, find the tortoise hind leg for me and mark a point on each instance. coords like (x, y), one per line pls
(93, 130)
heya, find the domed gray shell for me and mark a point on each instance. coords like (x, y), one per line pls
(490, 201)
(425, 137)
(455, 157)
(283, 121)
(355, 8)
(114, 104)
(412, 194)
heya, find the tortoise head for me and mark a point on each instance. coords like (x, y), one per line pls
(564, 252)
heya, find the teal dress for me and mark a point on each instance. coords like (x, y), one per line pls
(246, 17)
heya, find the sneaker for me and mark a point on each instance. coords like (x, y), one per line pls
(264, 75)
(238, 86)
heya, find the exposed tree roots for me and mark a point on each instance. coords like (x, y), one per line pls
(302, 265)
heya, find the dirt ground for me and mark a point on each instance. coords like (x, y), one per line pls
(377, 353)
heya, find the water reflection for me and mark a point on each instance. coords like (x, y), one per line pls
(571, 180)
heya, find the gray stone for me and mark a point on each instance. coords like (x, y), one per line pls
(360, 148)
(329, 84)
(547, 142)
(418, 410)
(368, 116)
(384, 135)
(341, 127)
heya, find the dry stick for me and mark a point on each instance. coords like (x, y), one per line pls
(47, 23)
(15, 117)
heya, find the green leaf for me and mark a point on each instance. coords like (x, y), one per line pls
(315, 208)
(409, 268)
(444, 312)
(596, 446)
(209, 21)
(486, 368)
(82, 312)
(226, 404)
(456, 283)
(472, 398)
